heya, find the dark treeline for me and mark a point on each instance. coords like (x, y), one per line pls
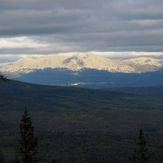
(28, 150)
(3, 78)
(28, 146)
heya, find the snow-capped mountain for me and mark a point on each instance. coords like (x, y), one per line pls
(82, 61)
(86, 70)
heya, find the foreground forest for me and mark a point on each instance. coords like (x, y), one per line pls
(74, 124)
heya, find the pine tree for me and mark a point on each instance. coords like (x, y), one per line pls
(28, 142)
(3, 78)
(141, 153)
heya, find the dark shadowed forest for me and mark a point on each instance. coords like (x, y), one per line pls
(64, 124)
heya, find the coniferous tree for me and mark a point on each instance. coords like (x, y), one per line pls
(141, 154)
(2, 78)
(28, 141)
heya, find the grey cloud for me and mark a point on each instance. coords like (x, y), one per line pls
(51, 4)
(82, 25)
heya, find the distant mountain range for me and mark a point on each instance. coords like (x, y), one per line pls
(95, 71)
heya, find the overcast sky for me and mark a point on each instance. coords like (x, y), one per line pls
(52, 26)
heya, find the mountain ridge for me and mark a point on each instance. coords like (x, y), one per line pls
(81, 61)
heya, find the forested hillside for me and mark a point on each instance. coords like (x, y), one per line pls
(79, 124)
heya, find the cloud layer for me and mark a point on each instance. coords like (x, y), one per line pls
(51, 26)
